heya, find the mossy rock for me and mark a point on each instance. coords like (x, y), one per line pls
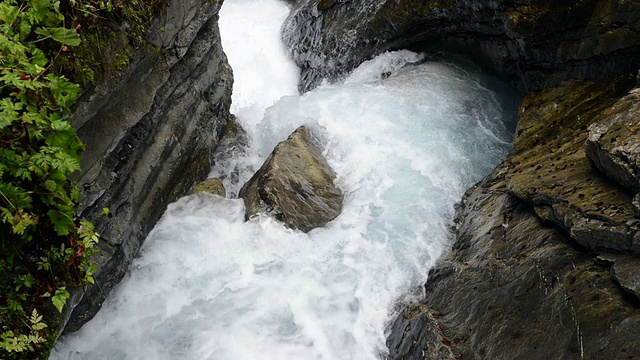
(212, 186)
(295, 185)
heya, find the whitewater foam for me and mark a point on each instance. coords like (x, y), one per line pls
(405, 139)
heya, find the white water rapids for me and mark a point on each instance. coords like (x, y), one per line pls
(207, 285)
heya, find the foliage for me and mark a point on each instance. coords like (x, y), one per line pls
(44, 245)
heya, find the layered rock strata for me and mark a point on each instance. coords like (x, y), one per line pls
(150, 134)
(533, 44)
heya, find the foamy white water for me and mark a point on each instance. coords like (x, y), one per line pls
(207, 285)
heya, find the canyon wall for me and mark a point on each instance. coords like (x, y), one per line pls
(149, 132)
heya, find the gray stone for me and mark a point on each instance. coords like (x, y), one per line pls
(150, 134)
(627, 272)
(295, 185)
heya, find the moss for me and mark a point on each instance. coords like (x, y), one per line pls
(110, 40)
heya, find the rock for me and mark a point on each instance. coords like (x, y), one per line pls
(533, 44)
(295, 185)
(228, 159)
(613, 146)
(513, 288)
(420, 338)
(150, 134)
(627, 273)
(212, 186)
(550, 170)
(233, 142)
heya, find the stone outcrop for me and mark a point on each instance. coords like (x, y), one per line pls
(515, 289)
(514, 285)
(552, 173)
(149, 135)
(295, 185)
(533, 44)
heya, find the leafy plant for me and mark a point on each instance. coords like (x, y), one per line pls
(44, 245)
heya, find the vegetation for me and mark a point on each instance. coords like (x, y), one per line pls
(44, 245)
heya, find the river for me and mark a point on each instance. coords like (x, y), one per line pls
(406, 138)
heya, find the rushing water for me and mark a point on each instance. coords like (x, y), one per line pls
(405, 141)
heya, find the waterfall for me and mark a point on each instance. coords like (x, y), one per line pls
(406, 138)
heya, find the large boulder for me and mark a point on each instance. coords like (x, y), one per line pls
(295, 185)
(150, 133)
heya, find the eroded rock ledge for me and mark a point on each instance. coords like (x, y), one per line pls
(150, 135)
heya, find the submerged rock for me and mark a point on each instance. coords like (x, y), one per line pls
(211, 186)
(227, 157)
(295, 185)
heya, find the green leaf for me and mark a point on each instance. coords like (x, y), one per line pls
(8, 13)
(60, 298)
(64, 91)
(50, 185)
(61, 222)
(38, 57)
(8, 112)
(62, 35)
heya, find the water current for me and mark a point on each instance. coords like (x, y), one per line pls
(405, 136)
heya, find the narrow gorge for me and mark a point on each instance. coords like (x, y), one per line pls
(480, 160)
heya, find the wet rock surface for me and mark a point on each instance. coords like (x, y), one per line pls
(533, 44)
(295, 185)
(515, 289)
(150, 134)
(544, 263)
(551, 171)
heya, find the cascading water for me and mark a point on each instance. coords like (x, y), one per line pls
(405, 141)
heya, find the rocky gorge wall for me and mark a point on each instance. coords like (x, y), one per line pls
(150, 133)
(532, 44)
(544, 262)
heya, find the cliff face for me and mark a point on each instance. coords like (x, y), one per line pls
(533, 44)
(544, 262)
(149, 135)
